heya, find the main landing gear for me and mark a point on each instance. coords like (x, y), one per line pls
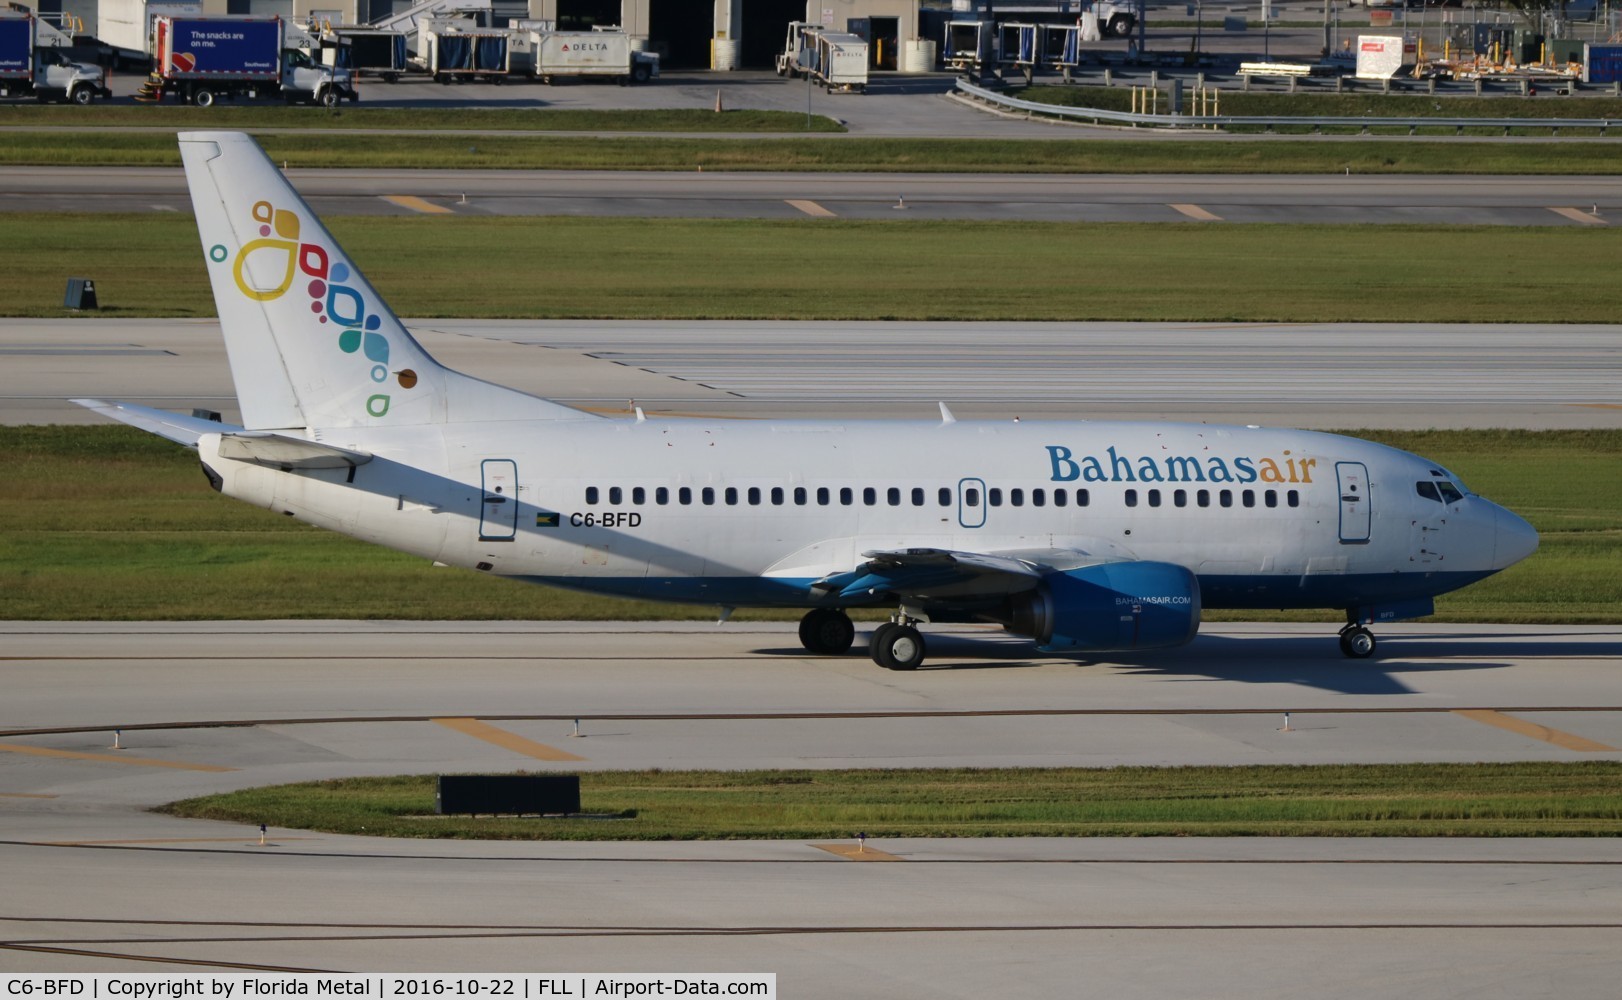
(1357, 642)
(827, 631)
(896, 645)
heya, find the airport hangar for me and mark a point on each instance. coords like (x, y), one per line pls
(688, 34)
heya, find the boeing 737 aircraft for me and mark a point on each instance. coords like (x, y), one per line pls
(1088, 536)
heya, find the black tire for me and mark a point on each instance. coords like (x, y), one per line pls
(82, 95)
(1121, 25)
(1357, 643)
(827, 632)
(202, 97)
(329, 97)
(900, 647)
(641, 73)
(391, 78)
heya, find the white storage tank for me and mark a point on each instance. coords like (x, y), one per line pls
(918, 55)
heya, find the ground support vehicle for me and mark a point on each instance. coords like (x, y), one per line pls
(32, 63)
(605, 55)
(200, 60)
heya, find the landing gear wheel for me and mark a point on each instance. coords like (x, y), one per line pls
(827, 632)
(1357, 642)
(877, 641)
(898, 647)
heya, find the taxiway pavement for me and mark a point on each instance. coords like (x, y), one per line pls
(1282, 374)
(96, 883)
(1571, 202)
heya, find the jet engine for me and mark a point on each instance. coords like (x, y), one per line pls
(1110, 607)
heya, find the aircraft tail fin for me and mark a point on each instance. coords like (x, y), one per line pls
(311, 343)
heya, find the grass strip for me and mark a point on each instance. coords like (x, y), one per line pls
(106, 522)
(484, 267)
(1403, 800)
(1002, 156)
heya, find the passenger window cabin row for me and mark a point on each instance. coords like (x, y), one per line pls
(918, 496)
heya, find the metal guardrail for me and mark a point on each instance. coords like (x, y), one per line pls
(1102, 116)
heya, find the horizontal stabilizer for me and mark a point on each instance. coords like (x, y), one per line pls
(181, 429)
(283, 451)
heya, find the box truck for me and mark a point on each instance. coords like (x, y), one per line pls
(125, 26)
(33, 63)
(200, 60)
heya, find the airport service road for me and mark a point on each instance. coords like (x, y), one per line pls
(1578, 202)
(95, 884)
(1301, 375)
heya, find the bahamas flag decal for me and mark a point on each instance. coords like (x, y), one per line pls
(546, 519)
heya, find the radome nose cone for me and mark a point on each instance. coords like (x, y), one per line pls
(1515, 539)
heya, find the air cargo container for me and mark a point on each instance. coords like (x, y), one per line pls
(455, 49)
(836, 60)
(32, 63)
(377, 51)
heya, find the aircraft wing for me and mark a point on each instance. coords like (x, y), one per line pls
(948, 576)
(281, 451)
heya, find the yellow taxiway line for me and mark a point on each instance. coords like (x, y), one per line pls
(810, 208)
(507, 741)
(1566, 741)
(110, 758)
(416, 204)
(1578, 215)
(853, 852)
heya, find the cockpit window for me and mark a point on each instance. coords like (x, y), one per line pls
(1450, 493)
(1428, 490)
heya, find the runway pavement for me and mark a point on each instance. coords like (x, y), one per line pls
(1300, 375)
(93, 883)
(1572, 202)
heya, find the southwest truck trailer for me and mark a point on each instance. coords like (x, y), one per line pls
(33, 63)
(201, 60)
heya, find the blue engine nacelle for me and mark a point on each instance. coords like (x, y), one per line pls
(1111, 607)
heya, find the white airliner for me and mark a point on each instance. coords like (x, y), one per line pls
(1088, 536)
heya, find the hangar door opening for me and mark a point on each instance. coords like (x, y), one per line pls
(680, 31)
(584, 15)
(765, 26)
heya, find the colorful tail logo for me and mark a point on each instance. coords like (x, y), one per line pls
(279, 253)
